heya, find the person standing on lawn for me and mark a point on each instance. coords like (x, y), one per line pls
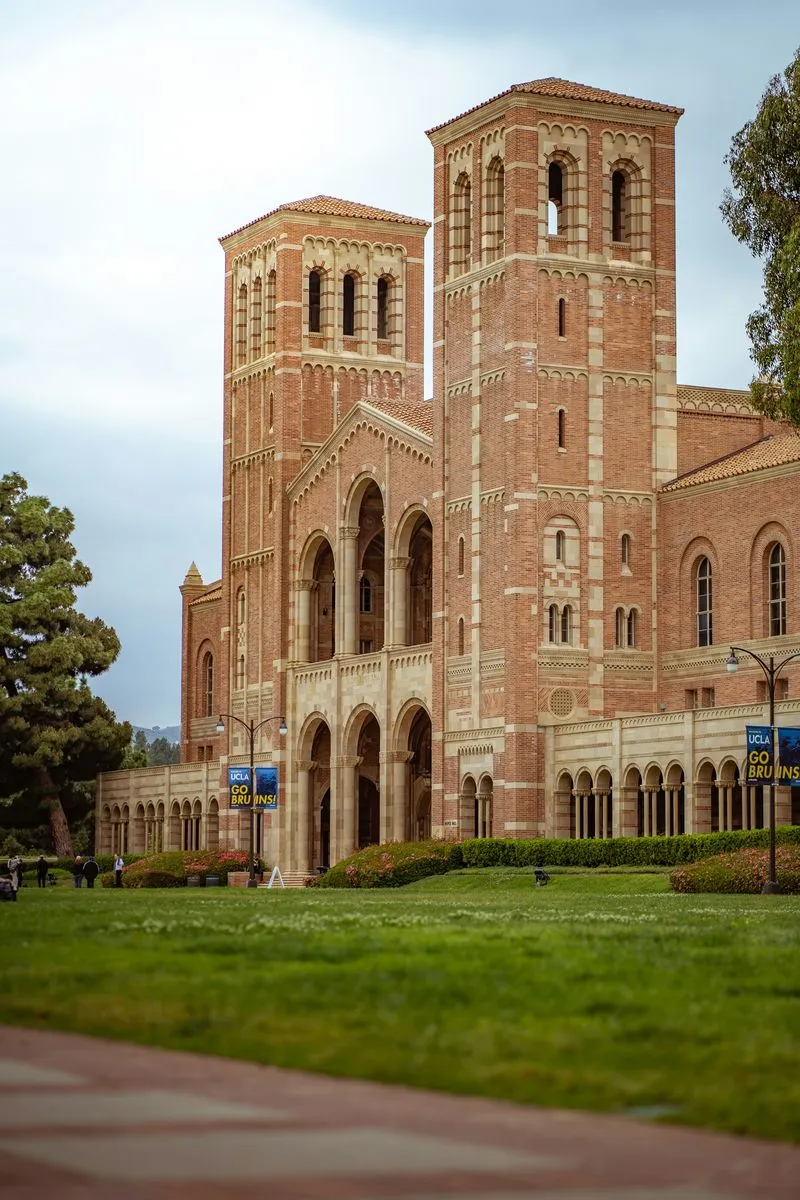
(90, 871)
(77, 871)
(118, 865)
(41, 872)
(15, 871)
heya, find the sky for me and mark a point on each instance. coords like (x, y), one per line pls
(135, 134)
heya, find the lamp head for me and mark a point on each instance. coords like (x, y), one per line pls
(282, 730)
(220, 726)
(732, 662)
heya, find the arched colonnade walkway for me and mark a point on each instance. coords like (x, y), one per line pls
(359, 789)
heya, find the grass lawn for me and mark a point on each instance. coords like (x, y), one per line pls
(602, 992)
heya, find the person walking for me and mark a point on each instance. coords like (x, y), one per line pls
(90, 871)
(41, 872)
(77, 871)
(118, 865)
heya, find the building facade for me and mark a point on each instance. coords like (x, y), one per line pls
(505, 611)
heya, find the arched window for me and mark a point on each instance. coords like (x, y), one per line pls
(625, 550)
(269, 495)
(562, 317)
(777, 591)
(460, 635)
(555, 199)
(632, 629)
(552, 623)
(365, 594)
(383, 308)
(241, 326)
(240, 606)
(562, 440)
(566, 623)
(271, 315)
(255, 320)
(208, 684)
(461, 225)
(495, 209)
(619, 207)
(461, 556)
(705, 621)
(314, 302)
(349, 305)
(240, 672)
(621, 627)
(561, 546)
(271, 409)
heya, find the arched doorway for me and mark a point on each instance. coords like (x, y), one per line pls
(369, 806)
(469, 808)
(654, 822)
(419, 744)
(675, 805)
(483, 808)
(371, 570)
(320, 796)
(420, 615)
(322, 634)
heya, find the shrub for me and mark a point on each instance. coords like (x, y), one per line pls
(743, 871)
(615, 852)
(392, 865)
(178, 864)
(154, 879)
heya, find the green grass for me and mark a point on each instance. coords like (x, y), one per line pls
(603, 992)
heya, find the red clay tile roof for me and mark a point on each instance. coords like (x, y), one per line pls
(214, 593)
(330, 206)
(565, 89)
(418, 416)
(777, 450)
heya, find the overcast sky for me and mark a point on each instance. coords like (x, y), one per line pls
(135, 134)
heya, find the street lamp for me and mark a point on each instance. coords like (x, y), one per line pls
(252, 730)
(772, 672)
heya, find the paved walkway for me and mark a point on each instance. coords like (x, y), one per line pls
(82, 1119)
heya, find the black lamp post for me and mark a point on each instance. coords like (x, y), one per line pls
(772, 672)
(252, 730)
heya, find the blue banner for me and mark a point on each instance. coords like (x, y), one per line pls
(760, 756)
(789, 757)
(266, 788)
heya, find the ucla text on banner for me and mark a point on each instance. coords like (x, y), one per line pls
(266, 788)
(760, 755)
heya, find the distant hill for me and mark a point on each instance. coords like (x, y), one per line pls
(171, 732)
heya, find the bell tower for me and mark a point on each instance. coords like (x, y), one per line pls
(554, 382)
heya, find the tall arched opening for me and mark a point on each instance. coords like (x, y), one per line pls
(369, 804)
(370, 582)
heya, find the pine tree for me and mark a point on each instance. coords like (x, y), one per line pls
(763, 211)
(54, 733)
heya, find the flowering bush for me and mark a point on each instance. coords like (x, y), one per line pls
(392, 865)
(156, 869)
(744, 871)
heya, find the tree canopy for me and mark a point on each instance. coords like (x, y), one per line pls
(762, 210)
(54, 733)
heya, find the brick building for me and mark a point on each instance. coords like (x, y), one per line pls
(505, 610)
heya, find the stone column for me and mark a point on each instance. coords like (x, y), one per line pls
(400, 815)
(668, 826)
(303, 589)
(563, 804)
(348, 602)
(702, 822)
(347, 779)
(301, 858)
(398, 612)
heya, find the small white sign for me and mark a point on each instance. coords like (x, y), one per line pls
(276, 875)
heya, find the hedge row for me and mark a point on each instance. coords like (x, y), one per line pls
(616, 852)
(745, 872)
(392, 865)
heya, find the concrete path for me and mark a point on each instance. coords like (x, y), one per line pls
(82, 1118)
